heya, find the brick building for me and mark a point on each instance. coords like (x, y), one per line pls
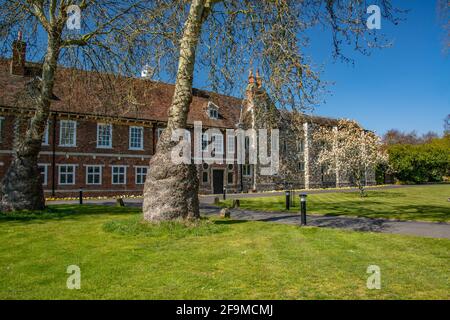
(102, 141)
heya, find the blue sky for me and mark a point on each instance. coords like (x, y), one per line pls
(406, 86)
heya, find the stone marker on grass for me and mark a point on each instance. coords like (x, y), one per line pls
(119, 202)
(225, 213)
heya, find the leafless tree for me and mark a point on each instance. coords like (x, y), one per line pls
(105, 42)
(395, 136)
(428, 136)
(225, 38)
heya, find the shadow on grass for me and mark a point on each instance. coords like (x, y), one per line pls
(53, 212)
(227, 222)
(375, 209)
(381, 194)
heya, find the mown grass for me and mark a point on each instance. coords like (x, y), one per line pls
(120, 258)
(421, 203)
(172, 229)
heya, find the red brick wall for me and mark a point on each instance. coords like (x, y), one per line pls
(86, 143)
(86, 153)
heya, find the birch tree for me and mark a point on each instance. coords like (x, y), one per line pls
(350, 150)
(106, 31)
(226, 38)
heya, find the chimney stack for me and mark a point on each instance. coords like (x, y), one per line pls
(19, 49)
(258, 79)
(251, 78)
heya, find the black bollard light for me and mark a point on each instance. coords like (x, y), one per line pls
(288, 200)
(303, 209)
(224, 193)
(81, 196)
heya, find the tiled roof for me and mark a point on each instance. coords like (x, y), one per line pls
(83, 92)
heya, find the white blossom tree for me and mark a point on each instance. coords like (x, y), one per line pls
(350, 150)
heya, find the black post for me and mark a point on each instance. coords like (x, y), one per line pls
(224, 193)
(81, 196)
(303, 209)
(288, 200)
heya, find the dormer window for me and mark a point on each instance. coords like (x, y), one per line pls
(213, 111)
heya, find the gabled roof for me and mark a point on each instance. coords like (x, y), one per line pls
(84, 92)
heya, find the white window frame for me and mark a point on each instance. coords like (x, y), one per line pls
(300, 165)
(250, 173)
(109, 146)
(141, 140)
(232, 177)
(45, 166)
(124, 175)
(205, 142)
(214, 108)
(74, 144)
(136, 174)
(247, 143)
(207, 176)
(45, 136)
(301, 145)
(218, 146)
(100, 173)
(231, 144)
(159, 131)
(74, 166)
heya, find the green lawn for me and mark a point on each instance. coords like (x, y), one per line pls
(222, 259)
(422, 203)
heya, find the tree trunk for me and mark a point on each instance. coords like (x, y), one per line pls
(359, 184)
(21, 187)
(171, 190)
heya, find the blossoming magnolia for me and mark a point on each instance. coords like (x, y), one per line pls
(349, 149)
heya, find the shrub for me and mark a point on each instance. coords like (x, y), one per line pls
(427, 162)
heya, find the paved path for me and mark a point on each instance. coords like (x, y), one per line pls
(423, 229)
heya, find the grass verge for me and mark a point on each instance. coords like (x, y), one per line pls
(244, 260)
